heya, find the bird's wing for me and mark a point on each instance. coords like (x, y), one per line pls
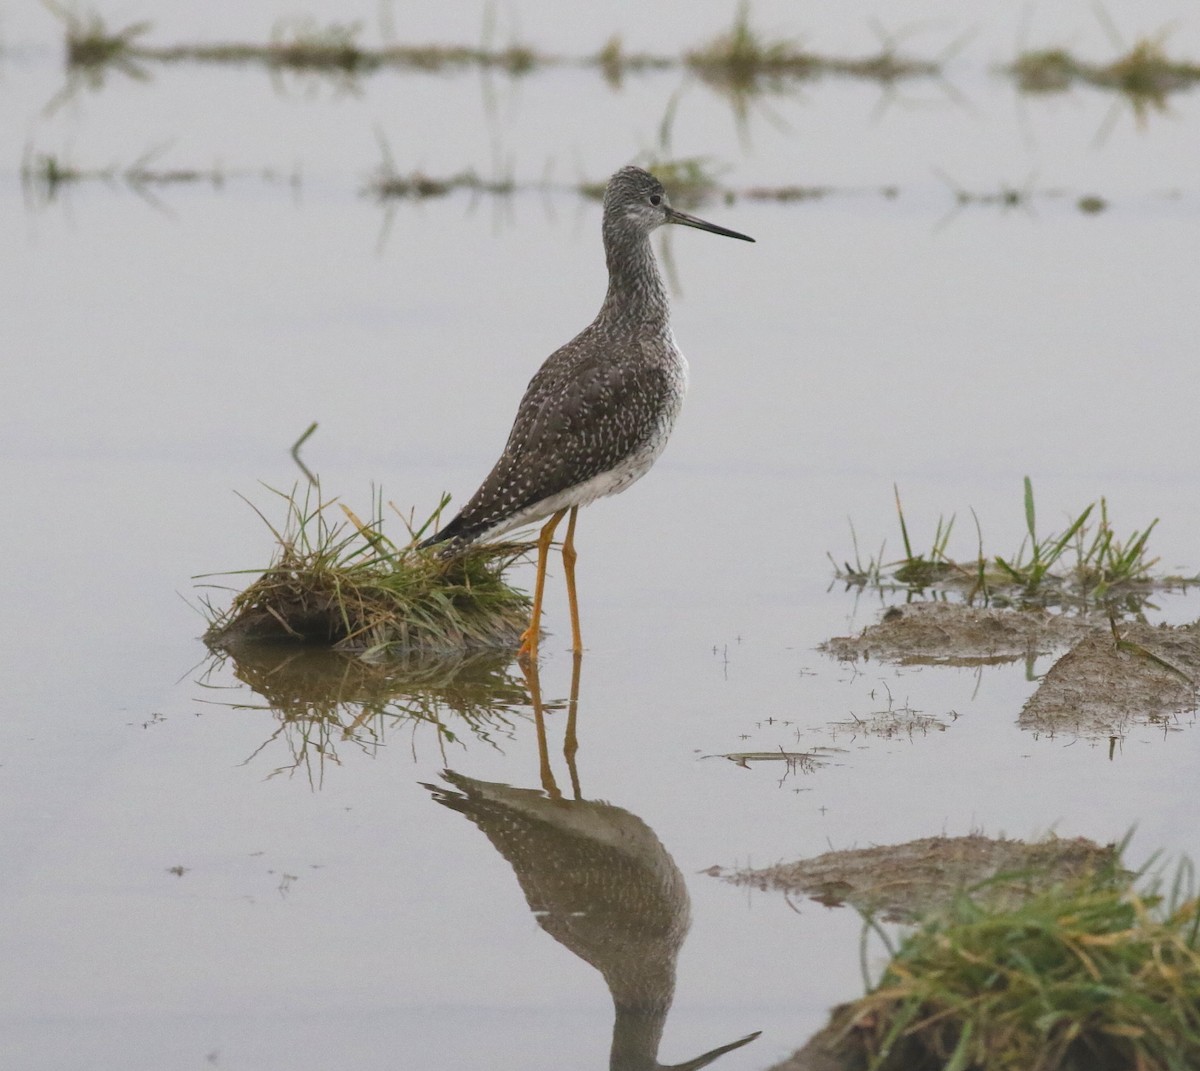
(580, 416)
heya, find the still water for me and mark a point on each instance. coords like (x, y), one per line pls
(195, 877)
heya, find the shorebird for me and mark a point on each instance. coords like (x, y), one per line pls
(599, 411)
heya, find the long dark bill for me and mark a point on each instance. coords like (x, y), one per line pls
(709, 1057)
(676, 216)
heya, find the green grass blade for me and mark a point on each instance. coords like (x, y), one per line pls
(1030, 515)
(908, 554)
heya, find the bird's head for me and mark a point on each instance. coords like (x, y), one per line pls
(636, 201)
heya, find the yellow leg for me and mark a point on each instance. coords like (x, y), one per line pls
(571, 739)
(569, 556)
(539, 720)
(529, 638)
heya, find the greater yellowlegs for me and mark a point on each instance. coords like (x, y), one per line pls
(598, 412)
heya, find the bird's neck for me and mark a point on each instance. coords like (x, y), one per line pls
(637, 1032)
(637, 297)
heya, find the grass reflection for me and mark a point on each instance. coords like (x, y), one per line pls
(324, 702)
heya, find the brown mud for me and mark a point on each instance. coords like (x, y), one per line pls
(1111, 678)
(902, 882)
(952, 634)
(1108, 682)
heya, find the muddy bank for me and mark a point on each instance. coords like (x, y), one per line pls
(911, 881)
(1109, 682)
(1110, 679)
(952, 634)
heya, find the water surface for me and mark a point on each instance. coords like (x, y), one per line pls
(176, 895)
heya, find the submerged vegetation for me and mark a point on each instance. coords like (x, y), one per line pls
(741, 58)
(1084, 566)
(744, 62)
(342, 582)
(1145, 74)
(692, 181)
(388, 182)
(615, 62)
(90, 43)
(298, 44)
(735, 59)
(46, 175)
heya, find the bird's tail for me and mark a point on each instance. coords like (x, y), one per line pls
(452, 539)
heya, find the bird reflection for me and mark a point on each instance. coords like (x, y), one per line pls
(598, 881)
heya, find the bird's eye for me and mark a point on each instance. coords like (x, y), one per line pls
(656, 199)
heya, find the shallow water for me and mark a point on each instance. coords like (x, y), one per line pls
(163, 351)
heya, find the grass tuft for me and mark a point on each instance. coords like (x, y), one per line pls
(739, 59)
(390, 183)
(1048, 70)
(614, 62)
(918, 569)
(46, 174)
(89, 42)
(742, 62)
(1085, 565)
(1100, 560)
(1095, 973)
(339, 581)
(303, 43)
(1145, 74)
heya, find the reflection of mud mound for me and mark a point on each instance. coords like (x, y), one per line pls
(901, 882)
(1102, 687)
(942, 633)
